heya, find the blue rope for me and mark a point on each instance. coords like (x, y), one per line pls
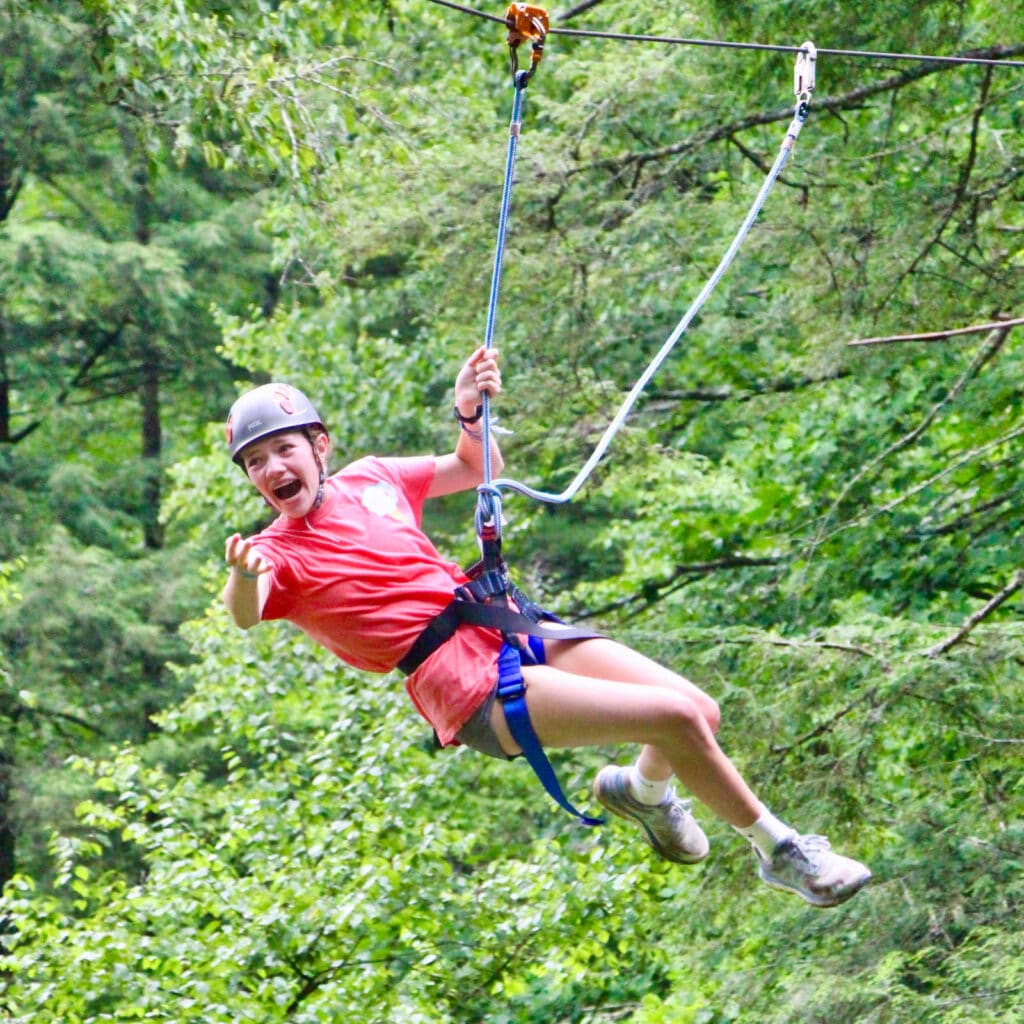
(488, 495)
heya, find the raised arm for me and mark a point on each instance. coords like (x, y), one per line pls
(463, 468)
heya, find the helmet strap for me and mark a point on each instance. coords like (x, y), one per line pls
(318, 500)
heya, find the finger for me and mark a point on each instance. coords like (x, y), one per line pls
(250, 559)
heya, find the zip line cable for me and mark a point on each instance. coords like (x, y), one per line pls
(728, 45)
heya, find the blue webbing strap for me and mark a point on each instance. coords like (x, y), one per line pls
(512, 694)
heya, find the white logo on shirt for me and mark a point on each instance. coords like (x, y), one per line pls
(382, 500)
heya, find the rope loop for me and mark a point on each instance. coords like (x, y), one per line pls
(488, 512)
(804, 82)
(526, 22)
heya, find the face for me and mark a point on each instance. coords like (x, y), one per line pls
(284, 469)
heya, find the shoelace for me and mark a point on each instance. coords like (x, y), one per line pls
(810, 849)
(677, 807)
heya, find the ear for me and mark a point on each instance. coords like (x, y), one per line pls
(322, 445)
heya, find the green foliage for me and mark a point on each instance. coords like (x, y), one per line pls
(824, 537)
(85, 640)
(315, 859)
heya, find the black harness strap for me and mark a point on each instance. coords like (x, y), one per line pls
(482, 603)
(466, 610)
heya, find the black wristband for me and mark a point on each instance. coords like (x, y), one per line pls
(469, 419)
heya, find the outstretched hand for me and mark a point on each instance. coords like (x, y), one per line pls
(240, 554)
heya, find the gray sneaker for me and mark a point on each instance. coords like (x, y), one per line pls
(807, 866)
(669, 827)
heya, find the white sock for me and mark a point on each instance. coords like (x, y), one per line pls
(647, 791)
(767, 832)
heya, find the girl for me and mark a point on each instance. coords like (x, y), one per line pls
(347, 561)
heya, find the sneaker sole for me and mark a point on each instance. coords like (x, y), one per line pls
(814, 899)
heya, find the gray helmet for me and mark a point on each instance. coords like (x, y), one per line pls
(267, 410)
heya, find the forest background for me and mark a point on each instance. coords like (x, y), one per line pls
(199, 824)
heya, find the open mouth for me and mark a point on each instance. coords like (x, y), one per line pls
(288, 490)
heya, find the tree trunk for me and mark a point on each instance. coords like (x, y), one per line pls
(7, 854)
(149, 374)
(149, 399)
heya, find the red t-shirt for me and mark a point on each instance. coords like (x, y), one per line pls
(361, 577)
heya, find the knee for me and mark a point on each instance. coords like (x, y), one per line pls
(681, 716)
(711, 711)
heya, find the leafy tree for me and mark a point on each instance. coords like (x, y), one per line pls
(824, 535)
(110, 257)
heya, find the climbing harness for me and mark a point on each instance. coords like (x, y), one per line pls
(485, 600)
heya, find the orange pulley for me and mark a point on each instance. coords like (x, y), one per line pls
(526, 22)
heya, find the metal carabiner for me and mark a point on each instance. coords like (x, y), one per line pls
(804, 77)
(488, 513)
(526, 21)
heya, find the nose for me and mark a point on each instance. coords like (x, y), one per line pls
(273, 464)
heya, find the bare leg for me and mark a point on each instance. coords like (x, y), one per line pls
(596, 692)
(607, 659)
(643, 703)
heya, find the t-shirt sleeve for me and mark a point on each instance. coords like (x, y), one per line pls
(413, 476)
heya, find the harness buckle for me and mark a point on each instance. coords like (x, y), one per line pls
(510, 674)
(484, 584)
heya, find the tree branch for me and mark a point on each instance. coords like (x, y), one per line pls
(820, 645)
(651, 591)
(958, 195)
(966, 518)
(726, 394)
(959, 461)
(764, 166)
(103, 344)
(980, 615)
(853, 98)
(579, 8)
(11, 183)
(19, 707)
(989, 350)
(893, 339)
(827, 726)
(94, 220)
